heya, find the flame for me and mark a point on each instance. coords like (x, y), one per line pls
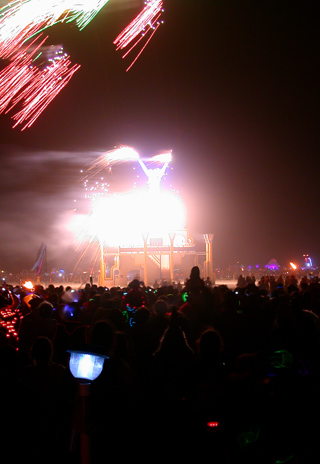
(28, 284)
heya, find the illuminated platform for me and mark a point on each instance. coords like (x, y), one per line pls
(150, 263)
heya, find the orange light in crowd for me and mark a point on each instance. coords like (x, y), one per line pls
(28, 284)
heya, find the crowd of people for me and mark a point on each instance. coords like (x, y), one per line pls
(198, 371)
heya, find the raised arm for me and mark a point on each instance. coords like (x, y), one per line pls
(145, 170)
(164, 167)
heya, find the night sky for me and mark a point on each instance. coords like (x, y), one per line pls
(232, 87)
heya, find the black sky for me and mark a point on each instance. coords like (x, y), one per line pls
(232, 87)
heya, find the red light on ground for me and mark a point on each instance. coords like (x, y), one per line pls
(212, 425)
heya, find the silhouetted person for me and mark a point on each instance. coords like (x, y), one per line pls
(9, 393)
(195, 284)
(158, 322)
(135, 298)
(154, 176)
(47, 390)
(171, 358)
(40, 322)
(112, 395)
(241, 281)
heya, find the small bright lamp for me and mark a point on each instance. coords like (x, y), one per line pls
(86, 365)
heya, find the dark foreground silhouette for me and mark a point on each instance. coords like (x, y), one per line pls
(199, 372)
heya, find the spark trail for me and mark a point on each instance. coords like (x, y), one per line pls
(165, 157)
(117, 155)
(14, 78)
(146, 22)
(23, 82)
(42, 90)
(21, 19)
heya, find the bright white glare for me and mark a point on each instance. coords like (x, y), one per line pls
(120, 219)
(165, 157)
(85, 366)
(28, 284)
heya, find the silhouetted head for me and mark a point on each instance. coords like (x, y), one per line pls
(161, 307)
(41, 351)
(134, 284)
(195, 272)
(142, 315)
(45, 310)
(229, 300)
(210, 344)
(102, 335)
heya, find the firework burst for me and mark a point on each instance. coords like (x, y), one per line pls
(121, 154)
(23, 20)
(112, 219)
(21, 80)
(111, 215)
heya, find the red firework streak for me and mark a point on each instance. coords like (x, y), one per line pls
(147, 22)
(34, 88)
